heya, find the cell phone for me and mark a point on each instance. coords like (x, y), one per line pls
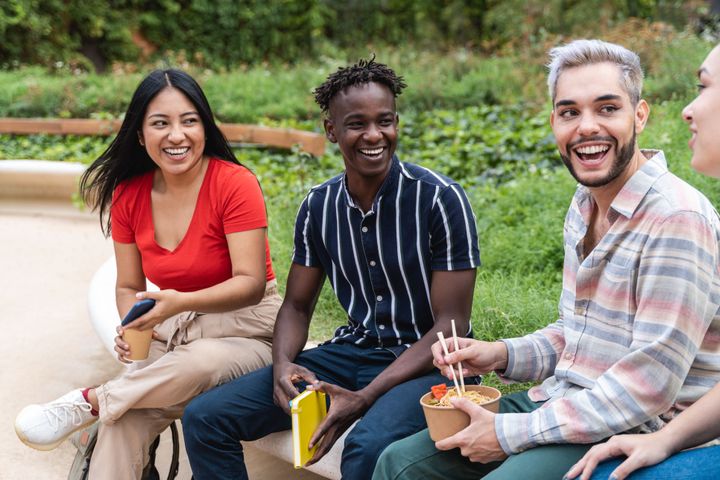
(140, 308)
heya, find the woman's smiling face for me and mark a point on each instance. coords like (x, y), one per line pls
(703, 117)
(173, 133)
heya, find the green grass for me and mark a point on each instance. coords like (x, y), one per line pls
(510, 298)
(668, 132)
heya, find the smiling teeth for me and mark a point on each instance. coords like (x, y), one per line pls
(593, 149)
(375, 151)
(176, 151)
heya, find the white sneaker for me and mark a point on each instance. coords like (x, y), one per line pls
(44, 427)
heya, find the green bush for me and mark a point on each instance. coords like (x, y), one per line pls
(479, 143)
(225, 34)
(31, 92)
(278, 93)
(71, 148)
(674, 75)
(249, 95)
(55, 32)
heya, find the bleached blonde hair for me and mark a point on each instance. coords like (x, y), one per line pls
(587, 52)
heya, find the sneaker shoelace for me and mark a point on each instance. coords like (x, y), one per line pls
(59, 413)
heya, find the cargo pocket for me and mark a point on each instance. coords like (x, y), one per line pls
(256, 321)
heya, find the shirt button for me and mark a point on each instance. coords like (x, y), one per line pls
(364, 229)
(579, 311)
(379, 298)
(372, 263)
(568, 356)
(381, 327)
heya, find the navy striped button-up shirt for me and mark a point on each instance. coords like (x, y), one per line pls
(380, 262)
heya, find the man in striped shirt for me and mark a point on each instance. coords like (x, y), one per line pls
(398, 244)
(638, 334)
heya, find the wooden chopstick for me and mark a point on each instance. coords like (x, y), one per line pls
(452, 369)
(457, 347)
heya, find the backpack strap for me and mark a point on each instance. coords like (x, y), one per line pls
(84, 440)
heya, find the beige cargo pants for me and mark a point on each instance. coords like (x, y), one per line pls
(194, 353)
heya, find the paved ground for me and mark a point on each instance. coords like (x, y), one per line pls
(48, 254)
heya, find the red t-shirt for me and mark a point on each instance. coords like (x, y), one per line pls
(229, 201)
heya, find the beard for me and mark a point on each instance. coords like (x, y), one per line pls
(622, 159)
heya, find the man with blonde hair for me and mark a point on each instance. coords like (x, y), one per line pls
(636, 338)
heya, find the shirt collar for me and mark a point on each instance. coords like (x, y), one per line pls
(636, 188)
(388, 186)
(634, 191)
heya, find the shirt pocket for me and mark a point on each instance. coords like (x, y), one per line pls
(610, 294)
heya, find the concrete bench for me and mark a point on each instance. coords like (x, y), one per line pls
(39, 179)
(104, 318)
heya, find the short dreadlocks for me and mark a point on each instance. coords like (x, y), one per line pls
(364, 71)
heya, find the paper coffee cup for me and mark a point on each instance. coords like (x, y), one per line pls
(139, 341)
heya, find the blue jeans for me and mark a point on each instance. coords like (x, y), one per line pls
(243, 409)
(697, 464)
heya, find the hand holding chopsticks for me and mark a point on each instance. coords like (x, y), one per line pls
(440, 335)
(457, 347)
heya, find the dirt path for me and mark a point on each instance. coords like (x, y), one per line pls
(48, 345)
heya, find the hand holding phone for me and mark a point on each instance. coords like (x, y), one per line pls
(140, 308)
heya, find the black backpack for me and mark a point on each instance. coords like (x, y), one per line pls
(84, 440)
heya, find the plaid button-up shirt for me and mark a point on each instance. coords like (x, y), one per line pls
(638, 334)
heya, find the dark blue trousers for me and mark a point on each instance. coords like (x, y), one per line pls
(243, 409)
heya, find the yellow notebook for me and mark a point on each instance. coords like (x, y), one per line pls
(308, 410)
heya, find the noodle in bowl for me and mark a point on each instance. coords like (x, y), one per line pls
(444, 420)
(472, 395)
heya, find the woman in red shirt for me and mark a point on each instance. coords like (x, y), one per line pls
(186, 215)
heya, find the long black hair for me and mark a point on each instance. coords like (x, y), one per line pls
(126, 158)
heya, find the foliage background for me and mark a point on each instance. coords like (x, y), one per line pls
(226, 33)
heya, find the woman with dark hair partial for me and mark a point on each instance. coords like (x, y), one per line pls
(186, 215)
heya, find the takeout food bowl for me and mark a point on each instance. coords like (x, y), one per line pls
(443, 422)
